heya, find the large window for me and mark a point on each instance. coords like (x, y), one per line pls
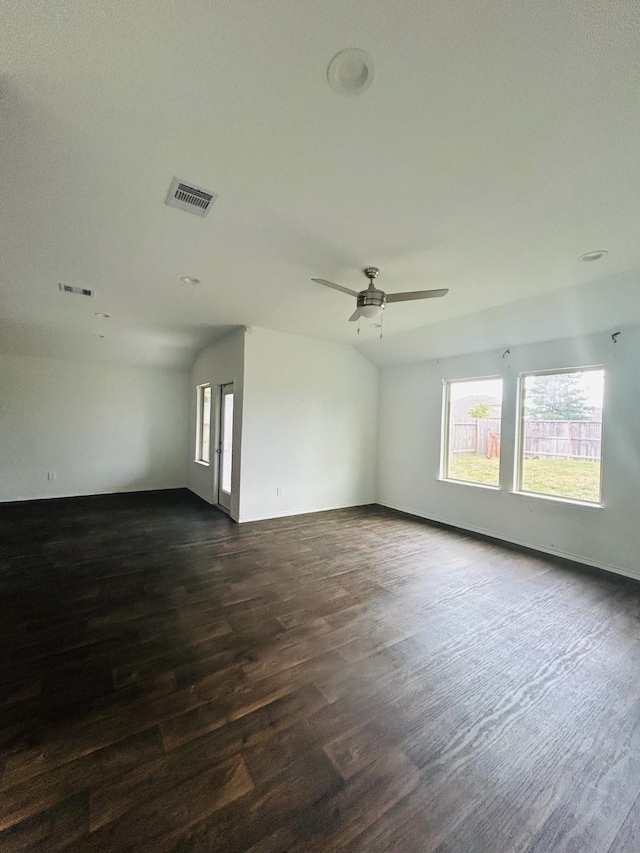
(203, 423)
(471, 431)
(560, 434)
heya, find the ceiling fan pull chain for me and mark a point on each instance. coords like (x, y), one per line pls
(381, 322)
(358, 325)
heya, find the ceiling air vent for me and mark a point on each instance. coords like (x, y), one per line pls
(79, 291)
(189, 197)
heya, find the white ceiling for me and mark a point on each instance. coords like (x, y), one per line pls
(498, 142)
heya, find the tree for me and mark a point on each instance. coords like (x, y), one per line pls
(557, 397)
(480, 410)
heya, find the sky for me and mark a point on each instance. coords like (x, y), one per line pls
(477, 388)
(592, 382)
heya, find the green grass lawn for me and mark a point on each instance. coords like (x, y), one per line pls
(567, 478)
(474, 469)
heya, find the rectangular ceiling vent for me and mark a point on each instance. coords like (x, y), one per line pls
(79, 291)
(191, 198)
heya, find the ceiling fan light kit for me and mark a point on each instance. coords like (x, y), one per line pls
(369, 310)
(371, 302)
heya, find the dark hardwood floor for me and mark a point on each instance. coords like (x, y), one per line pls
(354, 680)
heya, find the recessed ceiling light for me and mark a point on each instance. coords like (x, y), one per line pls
(100, 314)
(188, 279)
(98, 336)
(593, 256)
(350, 72)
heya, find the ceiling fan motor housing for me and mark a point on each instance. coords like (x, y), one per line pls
(372, 297)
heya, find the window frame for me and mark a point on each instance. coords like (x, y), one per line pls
(200, 411)
(519, 442)
(443, 472)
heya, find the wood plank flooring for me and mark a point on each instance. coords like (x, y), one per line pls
(355, 680)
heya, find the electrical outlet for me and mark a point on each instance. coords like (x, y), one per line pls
(278, 492)
(51, 475)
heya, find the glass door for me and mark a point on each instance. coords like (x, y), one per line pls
(225, 449)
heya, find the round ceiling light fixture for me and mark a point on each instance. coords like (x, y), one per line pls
(97, 336)
(370, 312)
(101, 314)
(350, 72)
(593, 256)
(189, 279)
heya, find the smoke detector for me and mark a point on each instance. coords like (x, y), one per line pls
(79, 291)
(190, 197)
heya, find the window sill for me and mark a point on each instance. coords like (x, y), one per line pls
(200, 462)
(486, 486)
(532, 496)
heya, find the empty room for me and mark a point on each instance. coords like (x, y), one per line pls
(320, 426)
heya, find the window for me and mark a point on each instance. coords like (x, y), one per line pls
(560, 434)
(226, 438)
(471, 431)
(203, 423)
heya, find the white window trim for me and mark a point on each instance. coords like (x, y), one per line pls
(486, 486)
(536, 496)
(517, 490)
(444, 434)
(199, 434)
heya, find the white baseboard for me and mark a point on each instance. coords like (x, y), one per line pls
(226, 511)
(306, 511)
(202, 497)
(213, 503)
(63, 495)
(554, 552)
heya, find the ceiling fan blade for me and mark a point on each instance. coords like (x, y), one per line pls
(416, 294)
(335, 286)
(354, 316)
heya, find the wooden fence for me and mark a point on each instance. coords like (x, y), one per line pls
(563, 439)
(471, 435)
(559, 439)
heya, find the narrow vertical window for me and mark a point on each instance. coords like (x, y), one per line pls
(227, 441)
(471, 431)
(203, 424)
(560, 434)
(225, 447)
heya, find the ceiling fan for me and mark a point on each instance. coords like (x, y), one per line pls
(372, 302)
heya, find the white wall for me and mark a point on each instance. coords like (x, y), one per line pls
(409, 452)
(584, 309)
(309, 426)
(219, 364)
(101, 428)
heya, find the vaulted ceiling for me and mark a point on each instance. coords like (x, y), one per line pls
(498, 142)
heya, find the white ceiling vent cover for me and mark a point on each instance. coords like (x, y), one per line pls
(79, 291)
(189, 197)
